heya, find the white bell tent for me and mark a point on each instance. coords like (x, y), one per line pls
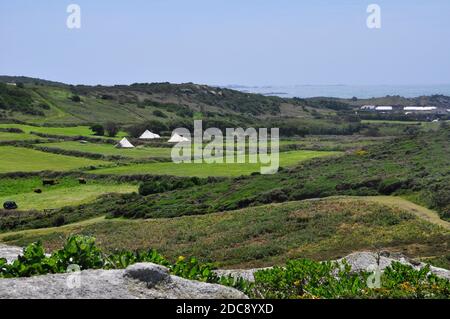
(176, 138)
(147, 135)
(124, 143)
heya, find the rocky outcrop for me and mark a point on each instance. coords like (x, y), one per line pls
(359, 261)
(9, 252)
(147, 280)
(139, 281)
(368, 261)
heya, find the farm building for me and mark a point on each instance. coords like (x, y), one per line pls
(419, 108)
(384, 108)
(147, 135)
(368, 107)
(124, 143)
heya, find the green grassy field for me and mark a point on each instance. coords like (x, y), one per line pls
(51, 199)
(410, 165)
(66, 131)
(262, 236)
(204, 170)
(108, 149)
(14, 186)
(390, 122)
(18, 159)
(6, 136)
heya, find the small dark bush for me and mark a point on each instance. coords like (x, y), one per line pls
(389, 186)
(158, 113)
(75, 98)
(167, 184)
(44, 106)
(98, 129)
(274, 196)
(112, 129)
(59, 221)
(49, 182)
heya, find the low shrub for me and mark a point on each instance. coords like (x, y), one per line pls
(301, 278)
(390, 185)
(167, 184)
(310, 279)
(83, 252)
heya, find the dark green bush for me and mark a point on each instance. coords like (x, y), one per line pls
(98, 129)
(167, 184)
(112, 129)
(158, 113)
(75, 98)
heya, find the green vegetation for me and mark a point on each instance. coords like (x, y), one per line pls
(168, 184)
(390, 190)
(415, 165)
(83, 252)
(7, 136)
(300, 279)
(19, 159)
(110, 150)
(63, 131)
(98, 129)
(260, 236)
(297, 279)
(67, 196)
(16, 186)
(17, 98)
(331, 142)
(216, 169)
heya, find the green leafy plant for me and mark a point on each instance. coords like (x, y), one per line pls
(301, 278)
(309, 279)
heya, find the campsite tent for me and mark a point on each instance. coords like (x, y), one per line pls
(176, 138)
(124, 143)
(147, 135)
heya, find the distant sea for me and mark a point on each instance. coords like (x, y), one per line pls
(346, 91)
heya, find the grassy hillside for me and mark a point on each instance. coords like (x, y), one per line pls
(387, 170)
(43, 102)
(263, 236)
(169, 106)
(64, 131)
(417, 167)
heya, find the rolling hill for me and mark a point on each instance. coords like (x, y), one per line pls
(45, 102)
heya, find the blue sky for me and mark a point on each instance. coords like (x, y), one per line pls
(248, 42)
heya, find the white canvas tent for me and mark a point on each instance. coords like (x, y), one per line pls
(147, 135)
(176, 138)
(124, 143)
